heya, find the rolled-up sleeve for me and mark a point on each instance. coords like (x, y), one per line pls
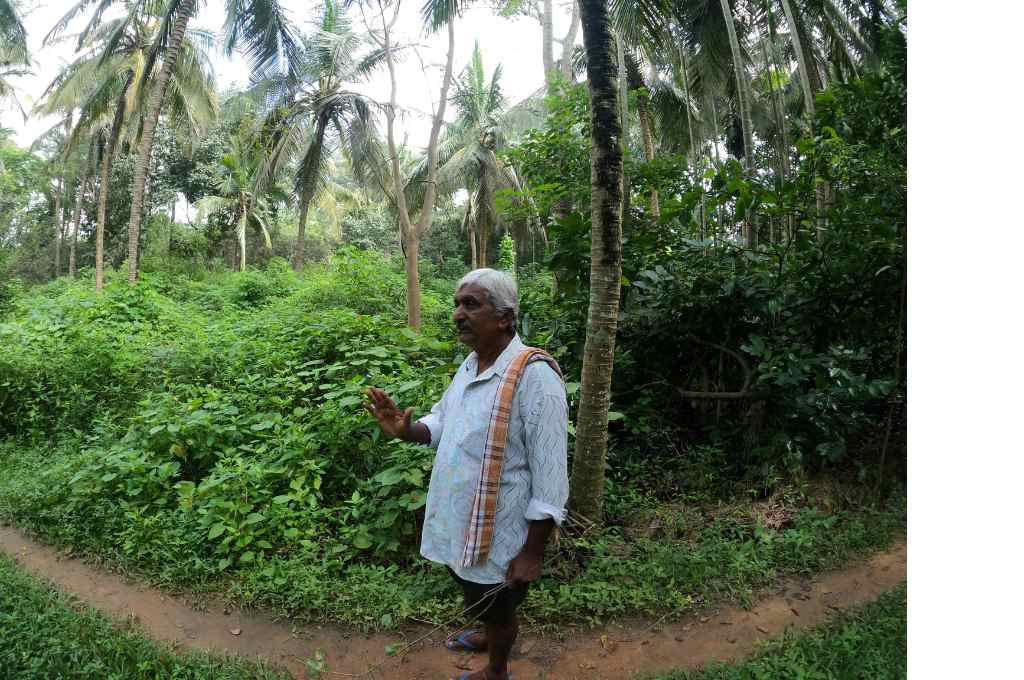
(434, 421)
(546, 438)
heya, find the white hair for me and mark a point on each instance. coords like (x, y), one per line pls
(501, 288)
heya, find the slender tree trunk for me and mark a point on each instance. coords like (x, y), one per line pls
(548, 41)
(73, 248)
(411, 234)
(145, 148)
(686, 95)
(58, 225)
(606, 180)
(781, 143)
(241, 237)
(569, 44)
(696, 153)
(742, 92)
(803, 60)
(810, 83)
(298, 257)
(643, 115)
(779, 101)
(412, 278)
(109, 152)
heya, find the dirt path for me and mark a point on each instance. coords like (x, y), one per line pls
(615, 653)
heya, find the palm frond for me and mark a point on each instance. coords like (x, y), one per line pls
(264, 34)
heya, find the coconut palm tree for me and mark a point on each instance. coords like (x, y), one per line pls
(468, 157)
(237, 190)
(108, 84)
(587, 483)
(318, 113)
(259, 28)
(14, 56)
(12, 32)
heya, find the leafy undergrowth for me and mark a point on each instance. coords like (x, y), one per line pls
(674, 558)
(47, 634)
(207, 433)
(869, 642)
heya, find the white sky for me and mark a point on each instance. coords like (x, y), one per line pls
(515, 43)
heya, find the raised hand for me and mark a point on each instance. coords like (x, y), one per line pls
(394, 422)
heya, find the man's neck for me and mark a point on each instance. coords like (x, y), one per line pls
(485, 357)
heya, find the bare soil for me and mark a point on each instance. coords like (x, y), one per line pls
(615, 652)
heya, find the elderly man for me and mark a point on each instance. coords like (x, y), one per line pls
(499, 484)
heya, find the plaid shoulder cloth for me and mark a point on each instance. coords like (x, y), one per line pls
(485, 503)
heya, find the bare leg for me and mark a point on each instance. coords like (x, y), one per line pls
(500, 638)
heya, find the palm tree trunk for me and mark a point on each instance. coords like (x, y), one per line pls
(73, 248)
(58, 225)
(781, 143)
(109, 152)
(742, 93)
(810, 83)
(300, 238)
(643, 115)
(695, 151)
(803, 61)
(148, 128)
(686, 95)
(587, 484)
(241, 238)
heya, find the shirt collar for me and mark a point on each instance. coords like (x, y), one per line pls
(511, 351)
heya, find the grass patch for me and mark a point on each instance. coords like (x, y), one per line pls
(869, 642)
(47, 634)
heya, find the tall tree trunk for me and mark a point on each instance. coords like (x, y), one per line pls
(810, 83)
(743, 93)
(145, 148)
(109, 152)
(569, 44)
(412, 233)
(547, 41)
(58, 225)
(73, 248)
(241, 238)
(695, 151)
(298, 257)
(643, 114)
(802, 60)
(778, 110)
(412, 278)
(686, 95)
(587, 484)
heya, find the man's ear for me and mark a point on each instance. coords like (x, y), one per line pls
(509, 320)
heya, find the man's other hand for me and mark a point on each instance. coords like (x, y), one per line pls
(524, 568)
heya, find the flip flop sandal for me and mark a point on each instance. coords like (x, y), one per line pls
(461, 642)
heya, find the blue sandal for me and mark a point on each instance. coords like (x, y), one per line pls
(460, 642)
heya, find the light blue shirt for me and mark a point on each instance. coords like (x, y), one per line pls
(534, 478)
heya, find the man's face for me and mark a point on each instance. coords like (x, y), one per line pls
(477, 322)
